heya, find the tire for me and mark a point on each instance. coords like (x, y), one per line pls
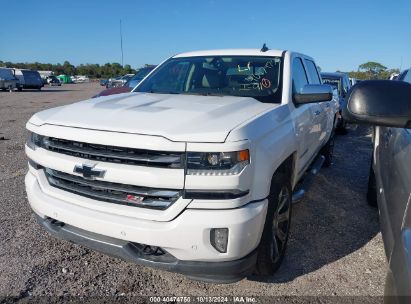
(328, 152)
(276, 228)
(372, 188)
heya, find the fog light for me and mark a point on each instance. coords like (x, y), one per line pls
(219, 239)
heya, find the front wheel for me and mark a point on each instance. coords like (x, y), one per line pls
(328, 152)
(276, 228)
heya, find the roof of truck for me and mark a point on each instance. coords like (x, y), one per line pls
(231, 52)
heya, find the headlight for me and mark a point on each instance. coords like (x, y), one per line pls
(217, 163)
(34, 140)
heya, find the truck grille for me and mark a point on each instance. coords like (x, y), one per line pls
(114, 154)
(113, 192)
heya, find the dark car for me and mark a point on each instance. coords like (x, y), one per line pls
(135, 80)
(103, 82)
(341, 83)
(387, 106)
(53, 80)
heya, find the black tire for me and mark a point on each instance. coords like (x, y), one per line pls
(372, 188)
(19, 89)
(277, 226)
(328, 152)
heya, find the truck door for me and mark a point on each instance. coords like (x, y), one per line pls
(320, 110)
(302, 117)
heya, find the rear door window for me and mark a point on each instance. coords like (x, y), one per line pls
(312, 71)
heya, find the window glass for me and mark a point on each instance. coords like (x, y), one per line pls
(312, 71)
(249, 76)
(299, 75)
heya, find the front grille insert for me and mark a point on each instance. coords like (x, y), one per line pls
(113, 192)
(113, 154)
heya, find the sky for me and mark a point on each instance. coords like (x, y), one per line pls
(340, 35)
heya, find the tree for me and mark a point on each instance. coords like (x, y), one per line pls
(372, 69)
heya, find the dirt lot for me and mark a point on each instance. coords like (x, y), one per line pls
(335, 246)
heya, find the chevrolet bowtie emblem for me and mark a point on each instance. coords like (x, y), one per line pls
(88, 171)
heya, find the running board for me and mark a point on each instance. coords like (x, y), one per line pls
(306, 183)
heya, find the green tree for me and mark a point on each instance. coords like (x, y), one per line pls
(372, 69)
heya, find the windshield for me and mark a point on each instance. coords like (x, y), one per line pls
(250, 76)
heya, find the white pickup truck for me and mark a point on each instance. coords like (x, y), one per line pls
(193, 171)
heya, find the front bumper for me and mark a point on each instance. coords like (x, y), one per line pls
(186, 237)
(224, 272)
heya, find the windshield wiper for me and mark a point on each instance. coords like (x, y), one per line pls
(159, 92)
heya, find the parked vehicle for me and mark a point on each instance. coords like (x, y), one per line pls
(341, 83)
(8, 81)
(103, 82)
(195, 172)
(118, 81)
(53, 80)
(64, 78)
(44, 75)
(79, 79)
(139, 76)
(387, 106)
(29, 79)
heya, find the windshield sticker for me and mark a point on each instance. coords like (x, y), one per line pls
(265, 83)
(262, 71)
(244, 69)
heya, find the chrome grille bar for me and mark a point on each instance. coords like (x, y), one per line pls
(114, 154)
(113, 192)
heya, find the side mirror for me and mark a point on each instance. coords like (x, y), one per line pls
(380, 102)
(314, 93)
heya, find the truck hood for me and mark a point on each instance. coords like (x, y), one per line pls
(179, 117)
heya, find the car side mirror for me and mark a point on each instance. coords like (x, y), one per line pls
(381, 103)
(314, 93)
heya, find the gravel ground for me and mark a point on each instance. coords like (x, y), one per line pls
(335, 247)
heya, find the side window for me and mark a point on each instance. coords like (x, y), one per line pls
(299, 77)
(312, 71)
(346, 84)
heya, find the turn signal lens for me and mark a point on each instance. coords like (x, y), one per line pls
(243, 155)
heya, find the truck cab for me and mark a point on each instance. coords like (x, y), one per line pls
(194, 170)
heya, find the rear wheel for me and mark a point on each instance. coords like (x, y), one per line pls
(277, 226)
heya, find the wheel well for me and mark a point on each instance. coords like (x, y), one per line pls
(287, 167)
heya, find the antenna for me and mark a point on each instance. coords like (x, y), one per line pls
(121, 44)
(264, 48)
